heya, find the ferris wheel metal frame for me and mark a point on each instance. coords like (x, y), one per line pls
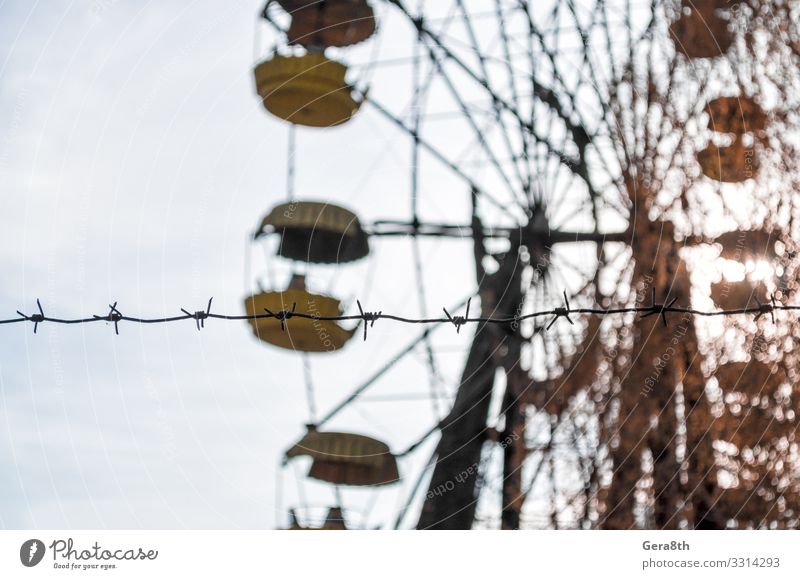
(531, 236)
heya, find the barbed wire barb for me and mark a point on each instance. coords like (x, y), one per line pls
(660, 309)
(35, 318)
(561, 312)
(200, 316)
(766, 308)
(284, 315)
(114, 316)
(368, 318)
(458, 321)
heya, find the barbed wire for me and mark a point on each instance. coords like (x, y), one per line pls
(662, 309)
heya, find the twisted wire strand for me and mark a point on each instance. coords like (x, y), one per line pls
(369, 318)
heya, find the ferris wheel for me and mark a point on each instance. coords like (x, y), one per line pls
(581, 146)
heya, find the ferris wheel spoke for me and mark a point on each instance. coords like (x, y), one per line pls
(412, 493)
(549, 166)
(567, 264)
(478, 132)
(434, 377)
(359, 390)
(491, 126)
(577, 165)
(419, 90)
(600, 84)
(515, 93)
(677, 150)
(487, 80)
(547, 95)
(442, 158)
(562, 183)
